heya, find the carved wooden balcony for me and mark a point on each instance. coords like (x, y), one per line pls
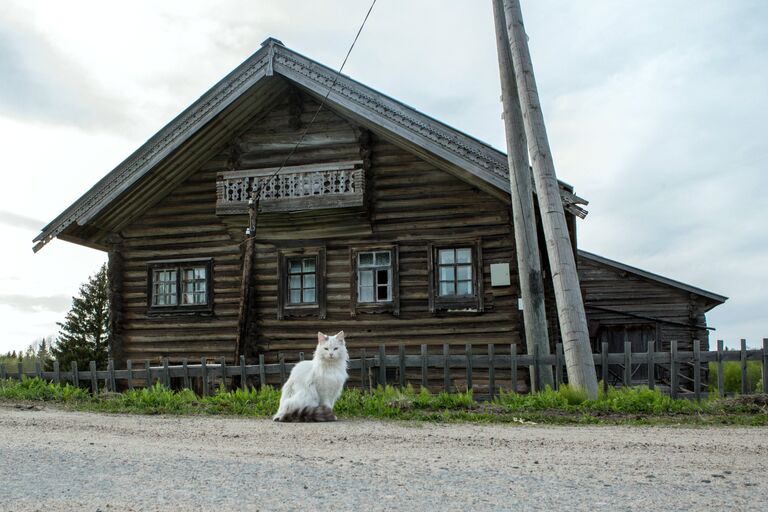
(304, 187)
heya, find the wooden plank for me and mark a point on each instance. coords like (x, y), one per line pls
(148, 372)
(743, 360)
(56, 372)
(604, 365)
(558, 365)
(224, 378)
(491, 371)
(94, 381)
(363, 369)
(75, 374)
(283, 376)
(20, 370)
(187, 380)
(513, 365)
(204, 375)
(166, 374)
(243, 375)
(651, 365)
(720, 376)
(468, 354)
(697, 369)
(536, 377)
(112, 381)
(301, 356)
(262, 372)
(38, 370)
(627, 380)
(401, 362)
(424, 381)
(129, 368)
(446, 368)
(673, 368)
(765, 365)
(4, 373)
(382, 366)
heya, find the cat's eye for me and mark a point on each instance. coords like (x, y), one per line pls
(335, 348)
(326, 348)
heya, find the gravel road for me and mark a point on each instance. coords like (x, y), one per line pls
(55, 460)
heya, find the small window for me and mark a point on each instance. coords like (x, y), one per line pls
(302, 286)
(179, 286)
(374, 286)
(456, 279)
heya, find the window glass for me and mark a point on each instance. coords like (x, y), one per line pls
(447, 256)
(463, 255)
(302, 280)
(374, 277)
(455, 272)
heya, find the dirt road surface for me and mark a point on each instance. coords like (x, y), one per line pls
(56, 460)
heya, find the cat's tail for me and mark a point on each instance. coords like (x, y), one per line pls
(308, 414)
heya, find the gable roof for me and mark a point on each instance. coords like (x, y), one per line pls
(718, 299)
(208, 119)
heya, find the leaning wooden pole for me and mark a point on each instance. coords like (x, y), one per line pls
(245, 318)
(570, 307)
(524, 218)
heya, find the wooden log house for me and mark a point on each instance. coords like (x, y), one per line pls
(385, 223)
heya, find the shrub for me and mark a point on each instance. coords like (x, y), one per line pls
(732, 376)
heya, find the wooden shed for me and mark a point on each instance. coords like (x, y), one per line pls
(384, 222)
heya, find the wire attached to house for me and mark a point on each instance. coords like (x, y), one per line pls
(256, 195)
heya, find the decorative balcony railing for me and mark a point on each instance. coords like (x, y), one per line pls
(304, 187)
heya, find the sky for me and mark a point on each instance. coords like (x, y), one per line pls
(655, 112)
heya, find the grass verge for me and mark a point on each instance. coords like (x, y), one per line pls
(639, 406)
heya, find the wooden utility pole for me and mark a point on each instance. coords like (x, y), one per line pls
(524, 218)
(570, 307)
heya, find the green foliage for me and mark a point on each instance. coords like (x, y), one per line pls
(40, 390)
(732, 376)
(84, 332)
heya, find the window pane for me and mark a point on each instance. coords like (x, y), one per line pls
(366, 259)
(382, 276)
(366, 278)
(294, 282)
(382, 293)
(366, 294)
(309, 295)
(294, 266)
(446, 256)
(447, 273)
(447, 288)
(464, 288)
(309, 281)
(200, 273)
(464, 272)
(309, 264)
(463, 255)
(295, 297)
(188, 298)
(382, 258)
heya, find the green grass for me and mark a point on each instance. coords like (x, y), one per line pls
(566, 406)
(732, 376)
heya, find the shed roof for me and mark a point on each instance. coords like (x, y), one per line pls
(150, 172)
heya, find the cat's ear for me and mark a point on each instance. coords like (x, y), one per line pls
(340, 337)
(321, 338)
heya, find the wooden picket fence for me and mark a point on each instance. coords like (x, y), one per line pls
(663, 369)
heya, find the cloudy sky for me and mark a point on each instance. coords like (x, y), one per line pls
(656, 113)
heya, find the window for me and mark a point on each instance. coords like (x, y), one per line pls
(302, 283)
(456, 281)
(176, 286)
(374, 286)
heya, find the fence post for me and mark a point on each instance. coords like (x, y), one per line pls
(166, 374)
(94, 381)
(281, 361)
(558, 365)
(446, 368)
(56, 372)
(262, 372)
(468, 354)
(604, 365)
(148, 370)
(362, 369)
(185, 367)
(382, 366)
(224, 373)
(424, 380)
(627, 364)
(673, 368)
(765, 366)
(129, 367)
(720, 376)
(38, 370)
(744, 386)
(536, 381)
(651, 364)
(243, 385)
(513, 365)
(20, 368)
(204, 375)
(75, 374)
(491, 371)
(111, 370)
(3, 376)
(401, 361)
(697, 369)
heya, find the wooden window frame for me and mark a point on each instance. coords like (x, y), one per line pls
(392, 306)
(179, 308)
(284, 308)
(456, 304)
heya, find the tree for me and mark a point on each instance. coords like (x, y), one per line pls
(84, 332)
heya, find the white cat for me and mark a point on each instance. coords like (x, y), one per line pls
(314, 386)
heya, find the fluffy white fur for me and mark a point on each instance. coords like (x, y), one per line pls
(315, 385)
